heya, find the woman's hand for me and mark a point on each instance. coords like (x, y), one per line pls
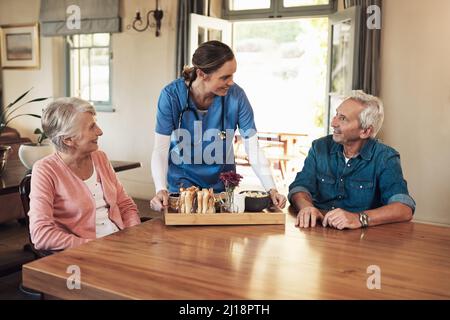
(160, 201)
(277, 199)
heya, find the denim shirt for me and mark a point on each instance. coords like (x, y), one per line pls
(372, 179)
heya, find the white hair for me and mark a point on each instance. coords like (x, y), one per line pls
(58, 119)
(373, 113)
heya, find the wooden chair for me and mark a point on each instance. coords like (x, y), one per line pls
(24, 191)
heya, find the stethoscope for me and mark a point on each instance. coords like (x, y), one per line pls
(222, 134)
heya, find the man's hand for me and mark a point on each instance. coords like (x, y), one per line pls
(160, 201)
(308, 215)
(341, 219)
(277, 199)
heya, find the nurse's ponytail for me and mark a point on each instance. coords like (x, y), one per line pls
(209, 57)
(189, 73)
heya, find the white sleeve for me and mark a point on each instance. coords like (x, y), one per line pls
(160, 158)
(259, 162)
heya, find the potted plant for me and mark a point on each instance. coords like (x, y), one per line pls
(31, 152)
(8, 114)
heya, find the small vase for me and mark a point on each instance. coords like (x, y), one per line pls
(229, 202)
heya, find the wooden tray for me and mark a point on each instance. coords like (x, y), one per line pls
(179, 219)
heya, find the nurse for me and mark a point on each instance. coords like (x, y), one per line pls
(195, 124)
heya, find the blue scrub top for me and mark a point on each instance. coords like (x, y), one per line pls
(186, 168)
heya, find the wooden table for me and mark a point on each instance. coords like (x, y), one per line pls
(15, 171)
(153, 261)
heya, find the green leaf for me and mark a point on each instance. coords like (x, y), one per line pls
(31, 114)
(17, 100)
(37, 99)
(24, 114)
(8, 113)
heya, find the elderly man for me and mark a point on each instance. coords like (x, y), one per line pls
(355, 179)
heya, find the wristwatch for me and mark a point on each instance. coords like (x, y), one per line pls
(364, 219)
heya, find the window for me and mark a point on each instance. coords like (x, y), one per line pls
(343, 57)
(249, 4)
(261, 9)
(299, 3)
(290, 68)
(90, 68)
(282, 66)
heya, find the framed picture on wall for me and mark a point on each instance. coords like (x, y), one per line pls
(19, 45)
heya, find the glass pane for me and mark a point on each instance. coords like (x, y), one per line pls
(74, 73)
(282, 66)
(101, 39)
(299, 3)
(214, 34)
(76, 40)
(201, 35)
(100, 75)
(341, 58)
(249, 4)
(84, 74)
(85, 40)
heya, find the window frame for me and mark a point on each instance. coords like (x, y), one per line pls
(100, 106)
(277, 10)
(353, 13)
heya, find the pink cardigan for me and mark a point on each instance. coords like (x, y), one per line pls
(62, 209)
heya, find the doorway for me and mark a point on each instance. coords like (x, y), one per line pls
(282, 66)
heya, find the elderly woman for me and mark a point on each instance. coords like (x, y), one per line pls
(75, 194)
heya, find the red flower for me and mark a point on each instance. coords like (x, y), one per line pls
(230, 179)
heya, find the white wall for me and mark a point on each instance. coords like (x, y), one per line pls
(142, 65)
(415, 87)
(46, 80)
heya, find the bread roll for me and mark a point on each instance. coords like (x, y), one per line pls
(181, 204)
(199, 201)
(205, 201)
(188, 200)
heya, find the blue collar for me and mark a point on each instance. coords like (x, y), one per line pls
(366, 152)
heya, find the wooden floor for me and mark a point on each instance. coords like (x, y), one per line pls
(13, 236)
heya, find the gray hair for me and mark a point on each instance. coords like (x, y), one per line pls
(373, 113)
(58, 119)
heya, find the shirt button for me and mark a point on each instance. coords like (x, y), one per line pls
(340, 197)
(332, 208)
(348, 165)
(342, 180)
(360, 187)
(323, 180)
